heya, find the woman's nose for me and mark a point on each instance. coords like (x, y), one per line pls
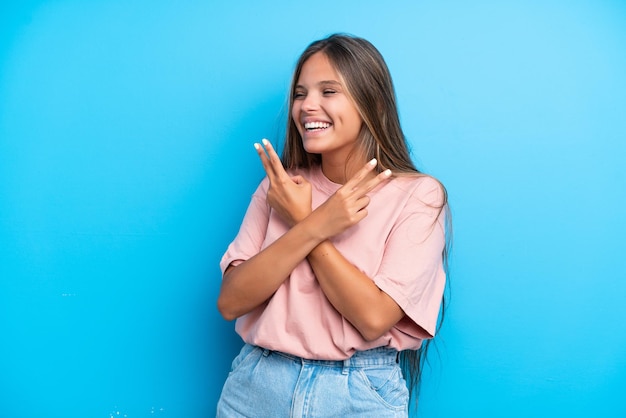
(311, 102)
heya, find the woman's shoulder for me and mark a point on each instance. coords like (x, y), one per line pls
(423, 187)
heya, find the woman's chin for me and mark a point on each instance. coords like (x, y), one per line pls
(313, 147)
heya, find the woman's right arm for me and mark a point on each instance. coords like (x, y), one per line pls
(251, 283)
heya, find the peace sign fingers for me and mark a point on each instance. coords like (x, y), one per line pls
(271, 162)
(361, 184)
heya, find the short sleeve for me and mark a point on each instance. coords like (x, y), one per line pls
(252, 231)
(412, 270)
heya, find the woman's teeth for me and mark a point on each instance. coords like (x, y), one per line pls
(309, 126)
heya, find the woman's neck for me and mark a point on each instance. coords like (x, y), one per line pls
(340, 171)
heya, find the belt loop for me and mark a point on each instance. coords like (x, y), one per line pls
(266, 352)
(346, 366)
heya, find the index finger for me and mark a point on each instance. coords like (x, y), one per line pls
(361, 182)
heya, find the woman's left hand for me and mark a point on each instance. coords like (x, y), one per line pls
(289, 196)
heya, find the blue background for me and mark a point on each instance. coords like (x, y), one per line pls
(126, 164)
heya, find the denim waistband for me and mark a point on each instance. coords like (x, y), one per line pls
(374, 357)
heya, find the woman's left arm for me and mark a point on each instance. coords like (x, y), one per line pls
(370, 310)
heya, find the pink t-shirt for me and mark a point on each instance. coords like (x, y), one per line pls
(398, 244)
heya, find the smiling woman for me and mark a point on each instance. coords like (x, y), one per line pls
(337, 272)
(325, 115)
(126, 166)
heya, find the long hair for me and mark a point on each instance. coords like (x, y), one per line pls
(369, 85)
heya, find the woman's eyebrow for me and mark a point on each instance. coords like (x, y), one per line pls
(322, 83)
(329, 82)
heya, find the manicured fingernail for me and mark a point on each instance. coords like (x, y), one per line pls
(373, 162)
(387, 173)
(265, 141)
(257, 146)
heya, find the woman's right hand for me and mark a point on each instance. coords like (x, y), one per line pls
(348, 205)
(289, 196)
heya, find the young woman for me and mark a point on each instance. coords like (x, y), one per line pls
(339, 263)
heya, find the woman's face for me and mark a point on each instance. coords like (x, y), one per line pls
(325, 116)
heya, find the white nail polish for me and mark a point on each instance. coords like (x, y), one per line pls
(387, 173)
(256, 146)
(373, 161)
(265, 141)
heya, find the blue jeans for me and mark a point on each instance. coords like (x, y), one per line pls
(264, 383)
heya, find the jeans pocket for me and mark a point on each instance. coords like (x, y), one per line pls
(246, 352)
(387, 384)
